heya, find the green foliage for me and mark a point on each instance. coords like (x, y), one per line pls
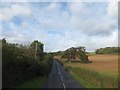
(19, 64)
(38, 49)
(66, 54)
(57, 53)
(34, 83)
(108, 50)
(97, 51)
(83, 57)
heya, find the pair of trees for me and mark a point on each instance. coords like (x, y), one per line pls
(76, 53)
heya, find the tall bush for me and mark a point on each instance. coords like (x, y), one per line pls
(19, 64)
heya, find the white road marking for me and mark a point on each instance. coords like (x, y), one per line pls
(59, 73)
(64, 86)
(62, 80)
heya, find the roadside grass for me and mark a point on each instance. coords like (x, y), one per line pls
(92, 79)
(81, 81)
(34, 83)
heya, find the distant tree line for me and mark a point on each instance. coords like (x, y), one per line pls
(108, 50)
(57, 53)
(19, 63)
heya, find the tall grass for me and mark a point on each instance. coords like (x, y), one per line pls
(92, 79)
(34, 83)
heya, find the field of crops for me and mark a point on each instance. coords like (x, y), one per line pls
(101, 73)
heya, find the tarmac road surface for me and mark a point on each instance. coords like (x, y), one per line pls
(59, 78)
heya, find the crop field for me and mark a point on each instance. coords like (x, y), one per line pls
(102, 72)
(101, 63)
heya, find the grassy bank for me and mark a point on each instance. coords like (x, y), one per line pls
(34, 83)
(92, 79)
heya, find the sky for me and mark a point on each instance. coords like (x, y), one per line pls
(60, 25)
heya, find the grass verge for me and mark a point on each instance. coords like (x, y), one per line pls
(82, 81)
(34, 83)
(92, 79)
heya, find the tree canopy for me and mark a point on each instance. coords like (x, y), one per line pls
(75, 53)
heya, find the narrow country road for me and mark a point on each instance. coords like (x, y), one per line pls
(59, 78)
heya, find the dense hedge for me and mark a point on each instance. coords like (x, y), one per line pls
(19, 65)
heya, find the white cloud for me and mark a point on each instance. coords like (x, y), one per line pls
(77, 8)
(53, 6)
(75, 26)
(8, 13)
(112, 10)
(59, 0)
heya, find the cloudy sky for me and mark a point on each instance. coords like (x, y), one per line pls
(60, 25)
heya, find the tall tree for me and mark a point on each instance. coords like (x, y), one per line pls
(38, 49)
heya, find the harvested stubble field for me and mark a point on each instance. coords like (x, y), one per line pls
(102, 63)
(103, 69)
